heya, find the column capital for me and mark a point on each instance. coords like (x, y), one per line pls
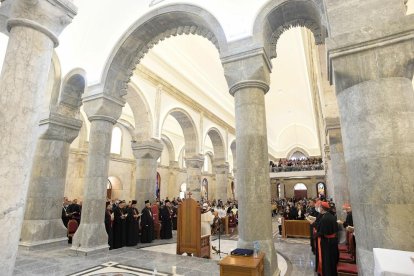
(48, 17)
(250, 68)
(151, 149)
(371, 54)
(221, 168)
(103, 107)
(60, 127)
(196, 161)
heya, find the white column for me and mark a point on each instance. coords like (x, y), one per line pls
(34, 27)
(222, 172)
(103, 112)
(194, 166)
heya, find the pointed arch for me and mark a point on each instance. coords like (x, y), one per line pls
(161, 23)
(281, 15)
(189, 130)
(218, 145)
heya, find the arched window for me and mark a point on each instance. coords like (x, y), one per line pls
(183, 188)
(321, 188)
(298, 155)
(116, 140)
(300, 187)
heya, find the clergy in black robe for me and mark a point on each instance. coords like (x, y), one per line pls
(174, 217)
(327, 242)
(118, 226)
(147, 224)
(74, 210)
(108, 223)
(312, 212)
(166, 222)
(132, 225)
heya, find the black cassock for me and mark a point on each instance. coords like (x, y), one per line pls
(132, 227)
(118, 229)
(328, 241)
(166, 223)
(174, 217)
(147, 226)
(108, 227)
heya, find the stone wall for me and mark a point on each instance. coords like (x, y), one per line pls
(310, 183)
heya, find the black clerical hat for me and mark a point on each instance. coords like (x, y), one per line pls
(133, 202)
(146, 201)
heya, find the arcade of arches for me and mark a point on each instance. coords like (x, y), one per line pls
(168, 99)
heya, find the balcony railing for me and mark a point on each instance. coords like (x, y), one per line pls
(312, 167)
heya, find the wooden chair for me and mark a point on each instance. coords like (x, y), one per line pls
(189, 239)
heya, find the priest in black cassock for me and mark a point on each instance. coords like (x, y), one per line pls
(108, 223)
(166, 222)
(119, 226)
(147, 224)
(132, 225)
(327, 242)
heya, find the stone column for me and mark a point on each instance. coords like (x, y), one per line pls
(173, 189)
(146, 155)
(42, 220)
(248, 79)
(221, 172)
(339, 174)
(34, 27)
(194, 166)
(103, 112)
(376, 103)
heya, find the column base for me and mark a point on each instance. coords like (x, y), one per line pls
(33, 245)
(90, 238)
(42, 233)
(267, 246)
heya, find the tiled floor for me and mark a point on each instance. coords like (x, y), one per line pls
(297, 259)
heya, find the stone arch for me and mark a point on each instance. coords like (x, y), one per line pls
(170, 146)
(189, 130)
(73, 86)
(281, 15)
(161, 23)
(218, 145)
(142, 113)
(295, 149)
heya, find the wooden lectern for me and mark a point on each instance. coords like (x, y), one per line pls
(189, 239)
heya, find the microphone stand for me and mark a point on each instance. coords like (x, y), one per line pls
(219, 239)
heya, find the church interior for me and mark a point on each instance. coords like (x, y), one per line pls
(159, 137)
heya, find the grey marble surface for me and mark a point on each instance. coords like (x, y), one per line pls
(60, 260)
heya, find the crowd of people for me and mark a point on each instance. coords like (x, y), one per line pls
(324, 228)
(303, 164)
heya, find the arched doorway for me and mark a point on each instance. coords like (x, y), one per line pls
(109, 190)
(300, 191)
(204, 189)
(183, 189)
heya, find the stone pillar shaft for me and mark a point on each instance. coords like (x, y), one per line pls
(42, 220)
(194, 167)
(221, 181)
(23, 83)
(378, 139)
(91, 234)
(253, 189)
(146, 155)
(338, 171)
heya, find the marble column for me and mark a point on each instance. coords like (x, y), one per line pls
(173, 189)
(146, 155)
(221, 172)
(194, 166)
(376, 103)
(42, 219)
(34, 27)
(248, 79)
(339, 174)
(103, 112)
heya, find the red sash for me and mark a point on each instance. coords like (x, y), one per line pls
(331, 236)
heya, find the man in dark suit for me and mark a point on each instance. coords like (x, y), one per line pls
(147, 224)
